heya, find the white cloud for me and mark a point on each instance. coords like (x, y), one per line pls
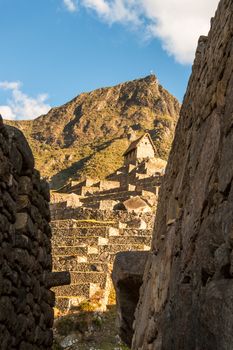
(70, 5)
(10, 85)
(177, 23)
(100, 6)
(7, 113)
(124, 11)
(20, 105)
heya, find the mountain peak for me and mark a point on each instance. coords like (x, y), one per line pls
(88, 135)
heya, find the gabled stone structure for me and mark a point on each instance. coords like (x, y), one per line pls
(142, 148)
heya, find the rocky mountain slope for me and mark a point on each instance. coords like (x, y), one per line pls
(88, 135)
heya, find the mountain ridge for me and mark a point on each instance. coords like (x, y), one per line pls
(88, 135)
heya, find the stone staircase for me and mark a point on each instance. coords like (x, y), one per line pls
(87, 248)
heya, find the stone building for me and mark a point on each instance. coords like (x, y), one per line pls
(142, 148)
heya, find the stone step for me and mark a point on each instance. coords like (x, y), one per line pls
(75, 223)
(79, 264)
(73, 215)
(99, 197)
(121, 196)
(79, 241)
(62, 237)
(74, 263)
(135, 232)
(129, 240)
(75, 243)
(69, 262)
(70, 250)
(92, 205)
(100, 254)
(83, 290)
(80, 251)
(108, 256)
(115, 248)
(91, 248)
(66, 302)
(93, 266)
(114, 190)
(88, 277)
(101, 257)
(82, 232)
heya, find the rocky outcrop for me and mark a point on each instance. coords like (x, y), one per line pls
(186, 301)
(127, 277)
(26, 302)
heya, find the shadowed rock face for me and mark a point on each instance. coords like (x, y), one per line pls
(127, 278)
(186, 301)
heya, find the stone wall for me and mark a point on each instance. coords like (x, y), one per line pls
(60, 211)
(145, 149)
(26, 302)
(85, 242)
(186, 301)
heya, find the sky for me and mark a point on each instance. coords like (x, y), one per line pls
(53, 50)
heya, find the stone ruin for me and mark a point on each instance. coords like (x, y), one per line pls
(141, 180)
(186, 299)
(26, 301)
(85, 242)
(92, 220)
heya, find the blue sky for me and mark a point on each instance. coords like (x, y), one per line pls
(52, 50)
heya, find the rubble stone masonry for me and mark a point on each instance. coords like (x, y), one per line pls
(26, 302)
(85, 242)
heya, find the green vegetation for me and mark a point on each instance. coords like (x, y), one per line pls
(92, 330)
(106, 161)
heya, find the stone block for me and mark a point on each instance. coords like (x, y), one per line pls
(70, 250)
(94, 288)
(81, 259)
(24, 224)
(89, 277)
(25, 185)
(102, 241)
(113, 231)
(92, 250)
(74, 290)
